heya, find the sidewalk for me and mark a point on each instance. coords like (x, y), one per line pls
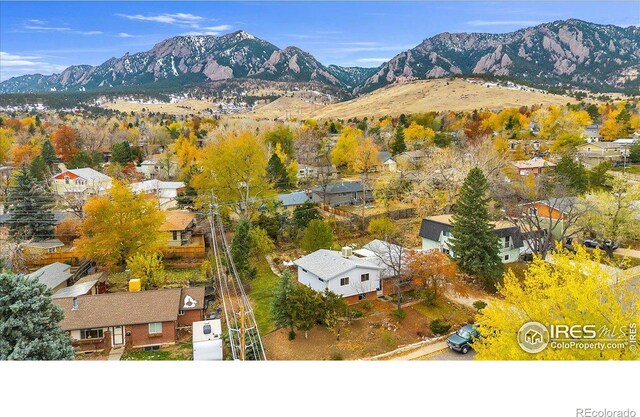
(631, 253)
(423, 351)
(116, 354)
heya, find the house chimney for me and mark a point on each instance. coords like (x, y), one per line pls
(74, 306)
(346, 251)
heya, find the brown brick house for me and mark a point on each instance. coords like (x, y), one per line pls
(132, 319)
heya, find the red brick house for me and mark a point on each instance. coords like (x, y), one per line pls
(145, 319)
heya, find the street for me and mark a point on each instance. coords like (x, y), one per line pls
(449, 355)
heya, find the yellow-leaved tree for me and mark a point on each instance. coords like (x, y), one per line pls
(417, 135)
(571, 289)
(6, 141)
(234, 171)
(343, 153)
(119, 225)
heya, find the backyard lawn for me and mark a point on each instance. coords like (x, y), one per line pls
(179, 352)
(175, 278)
(261, 291)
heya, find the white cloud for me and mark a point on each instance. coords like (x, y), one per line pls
(124, 35)
(89, 32)
(503, 22)
(43, 28)
(218, 28)
(183, 19)
(12, 65)
(35, 25)
(372, 60)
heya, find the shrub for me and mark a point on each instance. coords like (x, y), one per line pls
(367, 305)
(439, 327)
(479, 305)
(399, 314)
(355, 314)
(336, 356)
(292, 335)
(428, 297)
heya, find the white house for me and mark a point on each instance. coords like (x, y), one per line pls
(81, 183)
(352, 277)
(166, 191)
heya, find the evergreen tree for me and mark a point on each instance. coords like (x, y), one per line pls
(48, 153)
(318, 235)
(85, 159)
(634, 152)
(30, 207)
(278, 172)
(397, 145)
(305, 214)
(306, 309)
(241, 249)
(281, 303)
(38, 168)
(121, 153)
(474, 245)
(573, 174)
(599, 179)
(29, 328)
(333, 129)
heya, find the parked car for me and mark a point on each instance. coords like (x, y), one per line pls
(461, 340)
(609, 244)
(591, 243)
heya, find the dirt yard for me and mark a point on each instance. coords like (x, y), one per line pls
(378, 331)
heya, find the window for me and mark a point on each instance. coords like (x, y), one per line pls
(149, 348)
(506, 257)
(155, 328)
(91, 334)
(66, 180)
(344, 281)
(175, 235)
(206, 329)
(181, 312)
(361, 296)
(364, 277)
(506, 241)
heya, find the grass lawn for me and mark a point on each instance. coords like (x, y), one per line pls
(179, 352)
(175, 278)
(633, 169)
(261, 291)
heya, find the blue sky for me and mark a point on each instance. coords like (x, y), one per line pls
(46, 37)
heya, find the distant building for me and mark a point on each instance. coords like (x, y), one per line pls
(591, 133)
(534, 166)
(387, 162)
(165, 191)
(435, 232)
(596, 152)
(342, 193)
(179, 227)
(55, 276)
(81, 183)
(292, 200)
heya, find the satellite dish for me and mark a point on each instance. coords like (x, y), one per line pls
(189, 302)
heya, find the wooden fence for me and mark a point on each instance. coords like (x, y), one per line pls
(196, 250)
(39, 260)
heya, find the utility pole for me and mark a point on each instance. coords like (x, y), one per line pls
(242, 341)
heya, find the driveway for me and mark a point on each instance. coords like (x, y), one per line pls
(632, 253)
(449, 355)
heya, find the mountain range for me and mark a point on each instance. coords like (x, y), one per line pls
(569, 53)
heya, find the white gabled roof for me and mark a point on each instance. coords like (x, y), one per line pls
(155, 185)
(89, 174)
(328, 264)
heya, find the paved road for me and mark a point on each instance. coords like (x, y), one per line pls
(449, 355)
(628, 252)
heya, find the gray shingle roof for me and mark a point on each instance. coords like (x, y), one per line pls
(328, 264)
(341, 187)
(293, 199)
(52, 275)
(562, 204)
(81, 288)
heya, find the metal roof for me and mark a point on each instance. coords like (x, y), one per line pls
(341, 187)
(52, 275)
(293, 199)
(75, 290)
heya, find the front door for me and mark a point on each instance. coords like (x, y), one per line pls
(118, 336)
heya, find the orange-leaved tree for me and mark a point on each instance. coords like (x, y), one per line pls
(64, 142)
(432, 272)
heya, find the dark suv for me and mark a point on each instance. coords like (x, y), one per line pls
(461, 340)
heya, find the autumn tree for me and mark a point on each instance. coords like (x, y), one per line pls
(318, 235)
(417, 135)
(612, 215)
(571, 289)
(64, 141)
(363, 161)
(119, 225)
(234, 170)
(282, 136)
(343, 153)
(382, 227)
(148, 268)
(474, 245)
(7, 137)
(433, 272)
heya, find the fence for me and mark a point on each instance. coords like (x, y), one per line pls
(68, 257)
(196, 250)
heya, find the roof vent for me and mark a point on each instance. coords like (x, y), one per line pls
(346, 251)
(74, 306)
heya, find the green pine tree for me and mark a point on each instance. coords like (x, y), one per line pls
(397, 145)
(30, 207)
(474, 245)
(121, 153)
(573, 174)
(29, 328)
(84, 159)
(48, 153)
(306, 309)
(278, 172)
(241, 248)
(38, 168)
(281, 303)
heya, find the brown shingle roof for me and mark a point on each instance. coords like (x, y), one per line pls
(123, 308)
(177, 220)
(197, 293)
